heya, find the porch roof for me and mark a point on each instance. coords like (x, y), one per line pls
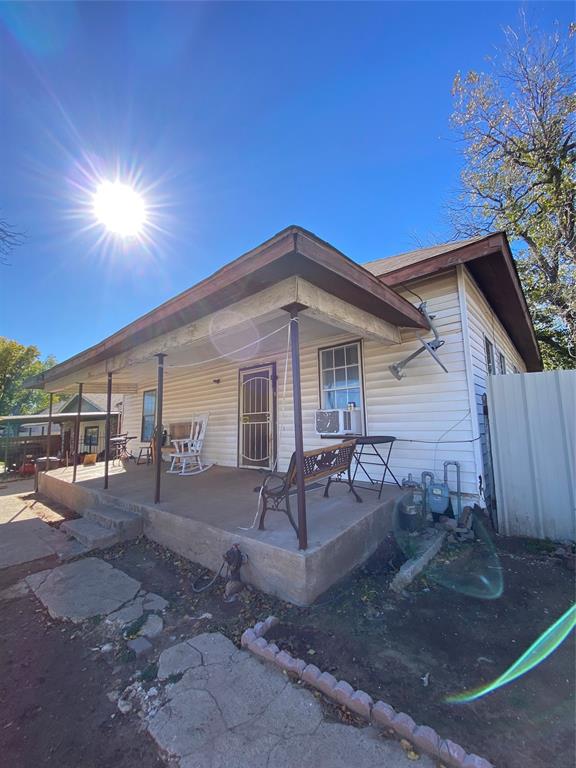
(292, 252)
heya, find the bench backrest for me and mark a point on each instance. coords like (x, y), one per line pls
(322, 462)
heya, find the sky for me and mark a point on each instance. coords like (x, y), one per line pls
(233, 120)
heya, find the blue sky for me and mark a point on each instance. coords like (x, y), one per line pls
(237, 119)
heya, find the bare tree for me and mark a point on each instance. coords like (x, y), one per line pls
(9, 239)
(518, 128)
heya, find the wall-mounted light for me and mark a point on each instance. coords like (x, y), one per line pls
(215, 381)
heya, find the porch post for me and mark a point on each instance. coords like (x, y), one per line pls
(6, 435)
(159, 398)
(77, 433)
(49, 437)
(298, 438)
(107, 429)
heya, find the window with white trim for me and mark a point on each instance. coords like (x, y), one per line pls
(490, 361)
(501, 363)
(341, 376)
(148, 414)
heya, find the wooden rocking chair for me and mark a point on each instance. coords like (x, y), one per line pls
(186, 457)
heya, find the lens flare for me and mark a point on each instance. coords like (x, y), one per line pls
(474, 569)
(119, 208)
(471, 568)
(538, 651)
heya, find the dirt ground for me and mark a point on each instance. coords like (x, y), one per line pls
(387, 645)
(54, 710)
(415, 650)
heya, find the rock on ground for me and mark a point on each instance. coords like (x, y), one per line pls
(154, 602)
(139, 645)
(129, 613)
(152, 627)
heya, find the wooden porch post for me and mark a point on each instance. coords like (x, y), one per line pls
(159, 398)
(107, 429)
(49, 437)
(293, 309)
(77, 433)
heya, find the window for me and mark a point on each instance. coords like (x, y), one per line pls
(515, 370)
(490, 363)
(501, 363)
(340, 376)
(148, 414)
(90, 438)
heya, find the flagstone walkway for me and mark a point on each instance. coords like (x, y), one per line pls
(214, 705)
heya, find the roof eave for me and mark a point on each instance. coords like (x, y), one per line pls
(493, 251)
(293, 251)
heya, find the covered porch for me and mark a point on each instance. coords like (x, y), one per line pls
(200, 517)
(290, 296)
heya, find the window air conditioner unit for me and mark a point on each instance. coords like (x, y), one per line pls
(339, 421)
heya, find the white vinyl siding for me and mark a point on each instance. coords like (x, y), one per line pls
(420, 407)
(423, 408)
(484, 325)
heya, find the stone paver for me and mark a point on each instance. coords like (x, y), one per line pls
(128, 613)
(85, 588)
(229, 710)
(177, 659)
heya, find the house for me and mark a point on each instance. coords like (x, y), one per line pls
(95, 404)
(228, 347)
(27, 434)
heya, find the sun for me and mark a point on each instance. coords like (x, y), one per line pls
(119, 208)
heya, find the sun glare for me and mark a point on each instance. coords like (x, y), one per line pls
(120, 209)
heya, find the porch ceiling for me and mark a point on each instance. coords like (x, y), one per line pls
(267, 336)
(293, 254)
(248, 330)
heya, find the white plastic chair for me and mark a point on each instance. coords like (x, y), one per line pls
(186, 458)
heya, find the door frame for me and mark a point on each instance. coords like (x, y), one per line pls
(273, 412)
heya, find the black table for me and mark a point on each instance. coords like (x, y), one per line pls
(363, 459)
(120, 445)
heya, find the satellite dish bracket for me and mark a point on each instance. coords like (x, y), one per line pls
(397, 369)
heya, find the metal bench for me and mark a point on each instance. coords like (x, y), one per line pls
(332, 462)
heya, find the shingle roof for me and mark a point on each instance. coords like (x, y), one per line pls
(392, 263)
(97, 400)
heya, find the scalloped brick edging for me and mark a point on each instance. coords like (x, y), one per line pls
(378, 713)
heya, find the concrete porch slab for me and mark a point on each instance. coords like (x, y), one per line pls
(200, 517)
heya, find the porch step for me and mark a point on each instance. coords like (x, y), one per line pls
(91, 534)
(128, 525)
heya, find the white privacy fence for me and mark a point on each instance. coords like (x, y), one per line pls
(532, 431)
